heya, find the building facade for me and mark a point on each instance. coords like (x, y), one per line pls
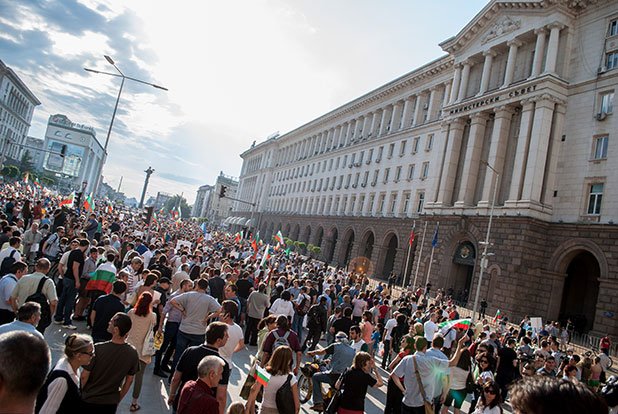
(517, 115)
(17, 105)
(202, 200)
(34, 147)
(73, 153)
(218, 209)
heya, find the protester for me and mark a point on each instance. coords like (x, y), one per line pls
(356, 381)
(104, 309)
(197, 397)
(143, 322)
(61, 392)
(7, 284)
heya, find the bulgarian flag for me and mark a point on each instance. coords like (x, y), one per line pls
(265, 255)
(103, 278)
(89, 203)
(68, 201)
(279, 238)
(498, 315)
(411, 240)
(456, 324)
(37, 182)
(110, 209)
(261, 375)
(254, 245)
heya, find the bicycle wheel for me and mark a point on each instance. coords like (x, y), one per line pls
(304, 389)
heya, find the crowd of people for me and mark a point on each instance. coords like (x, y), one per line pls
(174, 295)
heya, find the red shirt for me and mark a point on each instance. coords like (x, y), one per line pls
(197, 397)
(605, 343)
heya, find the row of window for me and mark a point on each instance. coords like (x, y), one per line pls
(355, 159)
(381, 204)
(344, 181)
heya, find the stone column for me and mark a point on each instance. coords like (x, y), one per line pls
(539, 50)
(497, 152)
(367, 125)
(384, 122)
(447, 93)
(451, 158)
(374, 124)
(489, 58)
(396, 117)
(559, 118)
(442, 140)
(552, 47)
(537, 152)
(510, 61)
(408, 110)
(456, 84)
(472, 160)
(432, 103)
(521, 152)
(418, 111)
(465, 75)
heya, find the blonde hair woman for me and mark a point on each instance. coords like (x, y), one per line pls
(60, 394)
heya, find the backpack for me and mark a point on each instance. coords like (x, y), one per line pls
(45, 240)
(281, 340)
(41, 299)
(304, 306)
(7, 263)
(284, 397)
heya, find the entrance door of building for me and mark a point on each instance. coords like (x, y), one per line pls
(462, 272)
(581, 291)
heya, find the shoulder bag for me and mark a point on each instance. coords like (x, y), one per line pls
(428, 405)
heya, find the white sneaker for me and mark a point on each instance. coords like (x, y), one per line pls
(71, 327)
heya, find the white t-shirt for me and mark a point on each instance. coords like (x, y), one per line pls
(430, 330)
(235, 335)
(388, 328)
(270, 391)
(458, 378)
(7, 253)
(282, 307)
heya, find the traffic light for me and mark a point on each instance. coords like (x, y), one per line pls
(148, 211)
(223, 190)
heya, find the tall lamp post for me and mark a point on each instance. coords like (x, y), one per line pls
(111, 123)
(485, 244)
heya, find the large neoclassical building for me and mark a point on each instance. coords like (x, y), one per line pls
(520, 110)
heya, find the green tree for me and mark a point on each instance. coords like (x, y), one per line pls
(173, 202)
(11, 171)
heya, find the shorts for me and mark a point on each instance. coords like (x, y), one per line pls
(82, 288)
(594, 383)
(455, 398)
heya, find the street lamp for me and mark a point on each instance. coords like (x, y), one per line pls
(111, 123)
(485, 244)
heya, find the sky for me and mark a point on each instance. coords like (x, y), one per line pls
(237, 71)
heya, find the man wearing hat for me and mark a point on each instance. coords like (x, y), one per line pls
(342, 357)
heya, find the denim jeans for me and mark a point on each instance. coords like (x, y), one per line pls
(297, 326)
(318, 379)
(184, 341)
(170, 336)
(66, 303)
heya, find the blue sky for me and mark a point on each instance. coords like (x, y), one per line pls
(237, 71)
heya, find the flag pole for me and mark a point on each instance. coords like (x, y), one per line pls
(420, 254)
(405, 270)
(431, 258)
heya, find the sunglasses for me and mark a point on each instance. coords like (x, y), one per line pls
(88, 353)
(492, 392)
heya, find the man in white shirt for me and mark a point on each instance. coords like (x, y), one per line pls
(430, 327)
(11, 251)
(236, 340)
(357, 342)
(388, 329)
(7, 284)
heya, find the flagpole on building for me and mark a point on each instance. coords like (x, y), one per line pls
(420, 254)
(433, 248)
(405, 270)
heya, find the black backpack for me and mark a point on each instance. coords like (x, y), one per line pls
(41, 299)
(304, 306)
(7, 263)
(285, 398)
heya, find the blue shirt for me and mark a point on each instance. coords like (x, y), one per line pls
(19, 326)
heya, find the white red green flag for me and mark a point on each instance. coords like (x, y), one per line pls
(265, 255)
(456, 324)
(279, 238)
(261, 375)
(68, 201)
(498, 315)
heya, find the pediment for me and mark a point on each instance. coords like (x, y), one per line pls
(501, 18)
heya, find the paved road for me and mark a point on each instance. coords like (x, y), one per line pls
(155, 389)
